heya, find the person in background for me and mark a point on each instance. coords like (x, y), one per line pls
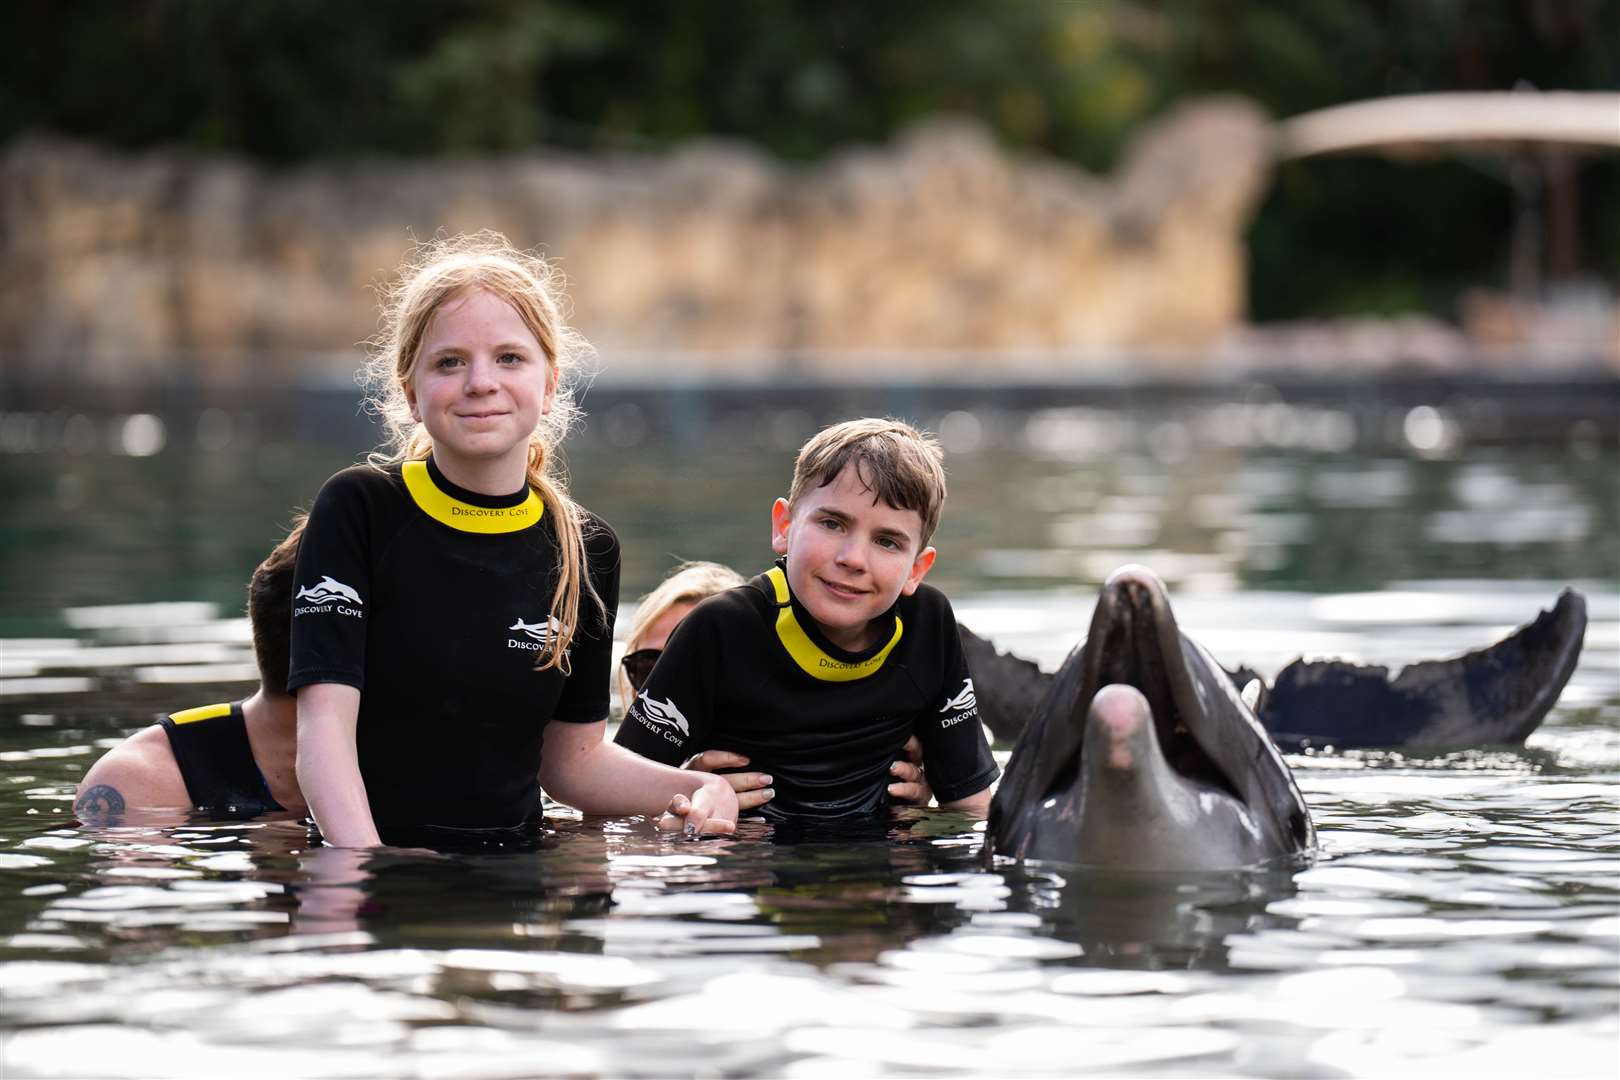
(233, 759)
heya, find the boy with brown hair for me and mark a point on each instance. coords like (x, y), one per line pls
(820, 668)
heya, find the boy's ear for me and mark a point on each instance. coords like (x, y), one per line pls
(919, 570)
(781, 518)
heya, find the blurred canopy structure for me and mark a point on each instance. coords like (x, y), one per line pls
(286, 81)
(1536, 134)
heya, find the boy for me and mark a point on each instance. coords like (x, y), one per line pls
(820, 668)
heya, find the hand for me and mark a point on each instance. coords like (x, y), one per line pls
(911, 784)
(711, 809)
(753, 788)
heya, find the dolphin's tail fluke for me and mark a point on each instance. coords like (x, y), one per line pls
(1496, 695)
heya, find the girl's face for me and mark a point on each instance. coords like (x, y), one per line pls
(480, 386)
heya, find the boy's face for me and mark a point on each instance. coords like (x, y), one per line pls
(849, 556)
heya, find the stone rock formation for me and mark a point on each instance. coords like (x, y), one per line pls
(167, 265)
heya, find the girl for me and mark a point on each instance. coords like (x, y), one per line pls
(453, 609)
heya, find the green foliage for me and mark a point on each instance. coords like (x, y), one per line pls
(294, 80)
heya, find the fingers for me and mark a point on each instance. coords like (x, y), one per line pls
(911, 784)
(674, 817)
(913, 750)
(689, 817)
(746, 781)
(912, 794)
(753, 789)
(711, 760)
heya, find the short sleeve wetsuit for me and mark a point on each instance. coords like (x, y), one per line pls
(211, 748)
(748, 671)
(434, 602)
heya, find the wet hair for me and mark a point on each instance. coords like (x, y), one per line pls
(447, 269)
(269, 608)
(688, 583)
(898, 464)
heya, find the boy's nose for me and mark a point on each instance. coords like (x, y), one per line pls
(851, 554)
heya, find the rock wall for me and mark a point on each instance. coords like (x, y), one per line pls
(157, 264)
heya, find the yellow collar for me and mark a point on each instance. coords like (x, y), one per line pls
(449, 510)
(810, 657)
(202, 712)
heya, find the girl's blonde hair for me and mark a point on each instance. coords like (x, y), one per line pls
(442, 270)
(688, 583)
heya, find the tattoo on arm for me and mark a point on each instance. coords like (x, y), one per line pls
(99, 805)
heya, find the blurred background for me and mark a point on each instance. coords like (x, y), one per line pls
(1175, 282)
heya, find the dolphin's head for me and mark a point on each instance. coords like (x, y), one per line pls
(1144, 755)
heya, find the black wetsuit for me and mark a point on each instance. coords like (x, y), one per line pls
(433, 601)
(210, 745)
(748, 671)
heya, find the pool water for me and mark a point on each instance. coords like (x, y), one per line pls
(1463, 914)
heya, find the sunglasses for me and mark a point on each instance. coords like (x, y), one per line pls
(638, 665)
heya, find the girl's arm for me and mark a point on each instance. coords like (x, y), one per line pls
(578, 768)
(328, 765)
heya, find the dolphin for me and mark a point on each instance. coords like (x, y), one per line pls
(1143, 755)
(1496, 695)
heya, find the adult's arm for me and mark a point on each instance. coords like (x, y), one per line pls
(138, 774)
(328, 765)
(578, 768)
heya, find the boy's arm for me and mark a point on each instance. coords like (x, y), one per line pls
(668, 720)
(977, 804)
(955, 751)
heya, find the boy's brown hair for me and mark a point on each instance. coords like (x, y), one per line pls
(898, 464)
(269, 606)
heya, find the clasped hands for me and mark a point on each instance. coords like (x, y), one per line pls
(705, 811)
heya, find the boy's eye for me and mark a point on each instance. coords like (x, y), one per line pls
(889, 543)
(831, 523)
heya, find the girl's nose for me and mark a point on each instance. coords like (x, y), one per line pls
(480, 377)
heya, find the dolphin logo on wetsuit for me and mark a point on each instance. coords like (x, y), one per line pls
(963, 700)
(327, 589)
(538, 631)
(663, 712)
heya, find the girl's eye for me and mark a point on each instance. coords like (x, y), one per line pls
(511, 358)
(445, 362)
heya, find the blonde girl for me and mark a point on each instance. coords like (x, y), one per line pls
(453, 607)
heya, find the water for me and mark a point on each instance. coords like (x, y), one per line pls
(1464, 914)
